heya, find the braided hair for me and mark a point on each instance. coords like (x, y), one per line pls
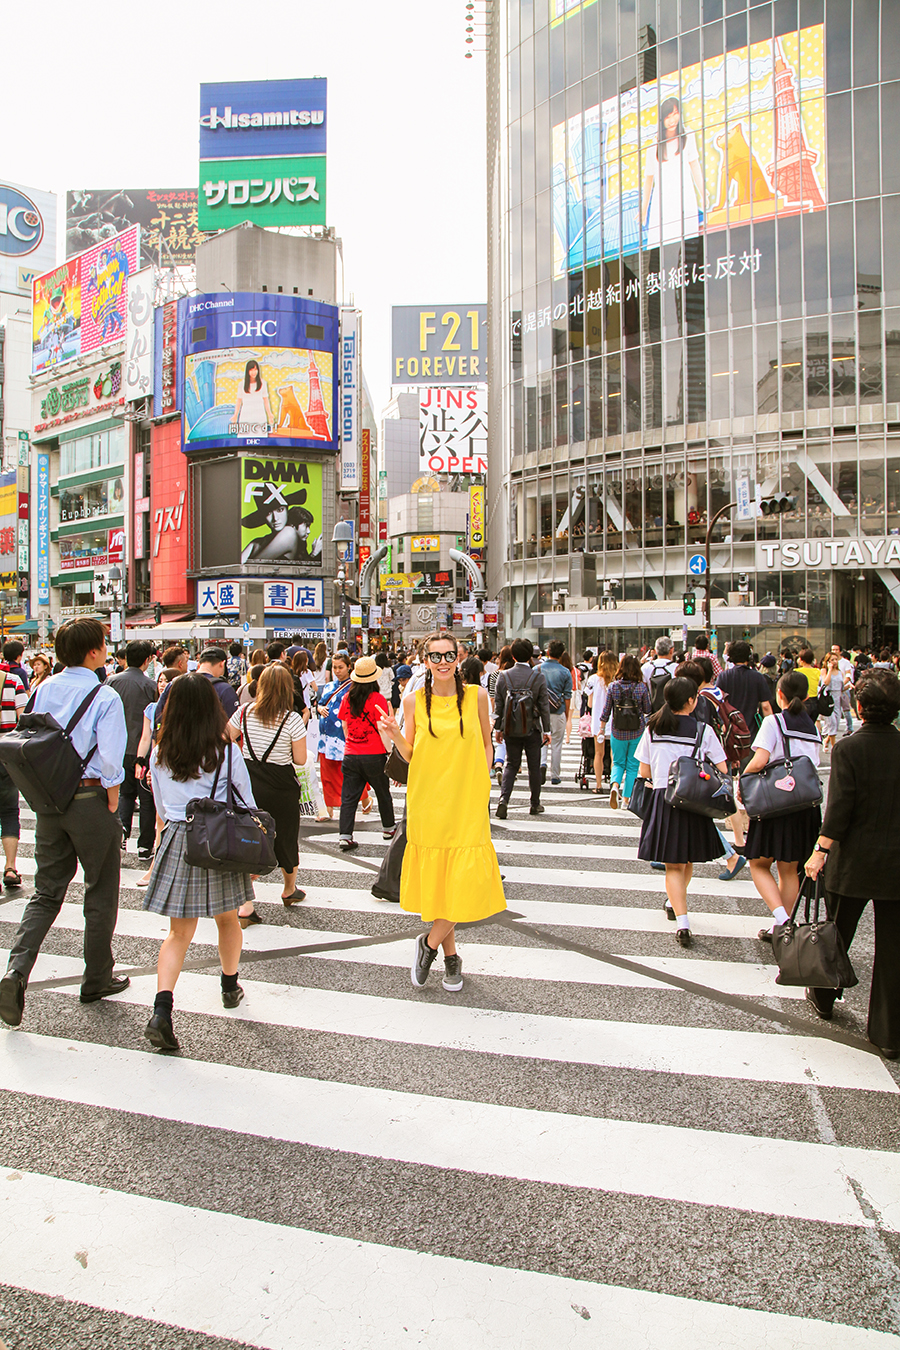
(460, 687)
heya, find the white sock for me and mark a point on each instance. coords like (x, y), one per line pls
(682, 921)
(780, 915)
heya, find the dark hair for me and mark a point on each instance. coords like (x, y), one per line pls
(807, 656)
(702, 643)
(275, 651)
(504, 658)
(740, 653)
(12, 650)
(76, 638)
(878, 696)
(192, 731)
(381, 660)
(691, 670)
(678, 693)
(522, 650)
(668, 106)
(555, 649)
(885, 654)
(460, 687)
(250, 364)
(173, 654)
(235, 649)
(359, 693)
(705, 666)
(795, 687)
(472, 670)
(255, 672)
(484, 654)
(300, 663)
(136, 653)
(629, 670)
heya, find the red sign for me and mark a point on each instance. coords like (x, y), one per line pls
(365, 554)
(115, 545)
(169, 518)
(382, 531)
(365, 506)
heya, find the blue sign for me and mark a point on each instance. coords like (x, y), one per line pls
(697, 565)
(246, 628)
(43, 531)
(252, 119)
(258, 370)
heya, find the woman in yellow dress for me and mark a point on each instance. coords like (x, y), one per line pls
(450, 871)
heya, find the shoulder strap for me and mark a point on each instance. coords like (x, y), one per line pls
(274, 740)
(81, 709)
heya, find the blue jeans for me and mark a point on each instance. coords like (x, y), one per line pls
(624, 763)
(726, 847)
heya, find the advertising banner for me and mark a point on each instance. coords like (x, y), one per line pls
(438, 344)
(167, 217)
(258, 370)
(738, 137)
(263, 191)
(365, 485)
(349, 399)
(139, 335)
(281, 511)
(9, 515)
(43, 528)
(453, 430)
(170, 513)
(165, 360)
(27, 235)
(425, 543)
(476, 517)
(282, 600)
(81, 395)
(81, 305)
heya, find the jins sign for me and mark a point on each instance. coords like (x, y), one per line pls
(829, 553)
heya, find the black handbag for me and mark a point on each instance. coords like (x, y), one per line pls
(696, 785)
(641, 798)
(811, 953)
(784, 786)
(228, 836)
(396, 767)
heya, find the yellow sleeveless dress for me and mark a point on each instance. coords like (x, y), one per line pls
(450, 868)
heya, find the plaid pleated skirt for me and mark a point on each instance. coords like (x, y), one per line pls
(183, 892)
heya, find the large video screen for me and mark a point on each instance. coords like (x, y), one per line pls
(281, 511)
(735, 138)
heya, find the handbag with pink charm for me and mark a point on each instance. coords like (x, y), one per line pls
(785, 785)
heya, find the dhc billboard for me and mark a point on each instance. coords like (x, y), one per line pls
(258, 370)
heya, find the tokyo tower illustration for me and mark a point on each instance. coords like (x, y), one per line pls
(316, 415)
(792, 171)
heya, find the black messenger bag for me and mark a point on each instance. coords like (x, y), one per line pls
(228, 836)
(40, 758)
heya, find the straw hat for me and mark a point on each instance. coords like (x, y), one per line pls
(365, 671)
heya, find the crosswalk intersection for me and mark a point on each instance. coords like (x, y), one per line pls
(601, 1140)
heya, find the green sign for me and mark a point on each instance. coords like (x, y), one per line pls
(264, 191)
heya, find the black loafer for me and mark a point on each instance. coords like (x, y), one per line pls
(536, 811)
(379, 894)
(12, 998)
(683, 937)
(887, 1053)
(232, 997)
(115, 986)
(160, 1034)
(824, 1013)
(500, 813)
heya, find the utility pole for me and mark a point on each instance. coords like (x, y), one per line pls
(723, 510)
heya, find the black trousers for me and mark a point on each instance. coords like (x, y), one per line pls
(129, 793)
(884, 999)
(359, 770)
(90, 834)
(514, 746)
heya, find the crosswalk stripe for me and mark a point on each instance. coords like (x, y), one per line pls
(279, 1287)
(633, 1157)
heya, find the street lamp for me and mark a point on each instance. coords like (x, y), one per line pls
(343, 534)
(118, 579)
(722, 511)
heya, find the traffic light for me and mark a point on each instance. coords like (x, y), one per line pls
(157, 613)
(777, 504)
(689, 604)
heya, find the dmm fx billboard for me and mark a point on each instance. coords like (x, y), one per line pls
(81, 305)
(350, 476)
(281, 511)
(258, 370)
(453, 430)
(438, 344)
(27, 236)
(262, 153)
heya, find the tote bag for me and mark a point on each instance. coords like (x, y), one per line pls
(784, 786)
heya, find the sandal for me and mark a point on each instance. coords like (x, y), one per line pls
(245, 920)
(16, 879)
(293, 899)
(367, 808)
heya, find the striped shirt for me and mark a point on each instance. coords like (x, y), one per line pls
(12, 700)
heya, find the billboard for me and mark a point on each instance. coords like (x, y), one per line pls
(281, 511)
(476, 517)
(453, 430)
(27, 236)
(139, 335)
(262, 153)
(43, 527)
(289, 602)
(257, 369)
(438, 344)
(167, 217)
(81, 305)
(349, 399)
(735, 138)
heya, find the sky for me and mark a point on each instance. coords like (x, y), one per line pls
(406, 141)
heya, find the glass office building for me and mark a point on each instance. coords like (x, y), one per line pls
(695, 205)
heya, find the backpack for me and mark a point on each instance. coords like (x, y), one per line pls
(520, 717)
(659, 678)
(236, 669)
(40, 758)
(737, 737)
(626, 714)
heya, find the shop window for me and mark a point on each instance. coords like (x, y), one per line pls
(843, 360)
(82, 550)
(654, 505)
(892, 486)
(92, 452)
(101, 498)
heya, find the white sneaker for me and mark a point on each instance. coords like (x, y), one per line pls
(614, 797)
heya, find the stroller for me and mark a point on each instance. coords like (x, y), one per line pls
(585, 769)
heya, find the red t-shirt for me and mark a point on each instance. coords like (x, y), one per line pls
(361, 733)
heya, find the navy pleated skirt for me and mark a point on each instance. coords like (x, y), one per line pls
(670, 835)
(785, 838)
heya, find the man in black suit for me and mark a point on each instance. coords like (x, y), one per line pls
(859, 847)
(510, 683)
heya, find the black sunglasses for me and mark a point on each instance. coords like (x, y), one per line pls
(438, 657)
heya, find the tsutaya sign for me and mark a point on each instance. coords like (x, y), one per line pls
(829, 553)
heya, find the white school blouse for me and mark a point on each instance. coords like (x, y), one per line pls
(661, 754)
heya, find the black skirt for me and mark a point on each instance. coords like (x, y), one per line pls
(785, 838)
(276, 790)
(670, 835)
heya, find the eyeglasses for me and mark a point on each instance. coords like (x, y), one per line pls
(438, 657)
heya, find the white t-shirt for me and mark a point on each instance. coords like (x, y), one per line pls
(261, 737)
(769, 738)
(657, 666)
(596, 685)
(660, 755)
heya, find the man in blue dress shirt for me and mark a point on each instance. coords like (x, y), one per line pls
(87, 832)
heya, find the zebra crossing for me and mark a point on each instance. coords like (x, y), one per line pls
(570, 1152)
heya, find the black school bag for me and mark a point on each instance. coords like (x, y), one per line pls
(521, 714)
(40, 758)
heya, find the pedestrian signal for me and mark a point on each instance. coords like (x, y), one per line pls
(689, 604)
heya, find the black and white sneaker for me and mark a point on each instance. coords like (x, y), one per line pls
(423, 960)
(453, 976)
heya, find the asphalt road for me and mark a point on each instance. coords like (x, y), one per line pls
(576, 1150)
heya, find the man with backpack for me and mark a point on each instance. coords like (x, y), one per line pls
(85, 827)
(746, 689)
(658, 672)
(522, 721)
(211, 664)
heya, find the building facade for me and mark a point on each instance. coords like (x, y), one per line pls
(694, 207)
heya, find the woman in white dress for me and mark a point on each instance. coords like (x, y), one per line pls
(673, 184)
(252, 408)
